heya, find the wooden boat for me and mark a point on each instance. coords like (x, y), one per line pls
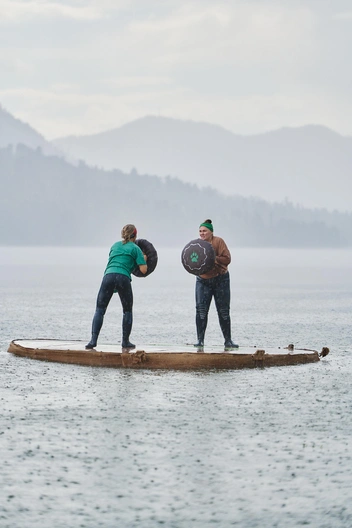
(184, 357)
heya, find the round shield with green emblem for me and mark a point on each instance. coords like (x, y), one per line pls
(198, 257)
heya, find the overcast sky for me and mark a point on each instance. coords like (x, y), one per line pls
(85, 66)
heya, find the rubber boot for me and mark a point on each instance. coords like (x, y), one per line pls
(97, 323)
(93, 342)
(225, 325)
(127, 321)
(201, 324)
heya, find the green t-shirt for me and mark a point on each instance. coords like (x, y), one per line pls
(124, 258)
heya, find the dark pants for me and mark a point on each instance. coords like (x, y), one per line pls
(219, 288)
(114, 282)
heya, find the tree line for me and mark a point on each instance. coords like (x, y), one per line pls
(45, 200)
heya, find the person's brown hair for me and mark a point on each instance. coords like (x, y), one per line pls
(128, 232)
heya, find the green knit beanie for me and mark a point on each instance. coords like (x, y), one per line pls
(208, 226)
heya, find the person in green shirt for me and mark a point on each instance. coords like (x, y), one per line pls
(124, 257)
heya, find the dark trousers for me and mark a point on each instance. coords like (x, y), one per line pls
(219, 288)
(114, 282)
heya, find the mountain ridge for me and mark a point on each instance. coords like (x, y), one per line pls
(13, 131)
(309, 165)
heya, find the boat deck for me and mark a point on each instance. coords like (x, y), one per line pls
(183, 357)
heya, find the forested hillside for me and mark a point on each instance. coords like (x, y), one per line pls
(47, 201)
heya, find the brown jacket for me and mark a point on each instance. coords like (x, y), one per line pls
(222, 260)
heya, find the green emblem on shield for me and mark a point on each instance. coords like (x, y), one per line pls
(194, 257)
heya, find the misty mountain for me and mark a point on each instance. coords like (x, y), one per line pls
(47, 201)
(14, 132)
(310, 165)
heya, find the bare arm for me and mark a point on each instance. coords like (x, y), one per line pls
(143, 268)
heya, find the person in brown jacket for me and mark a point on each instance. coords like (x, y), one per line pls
(215, 283)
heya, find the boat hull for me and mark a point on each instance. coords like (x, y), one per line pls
(153, 357)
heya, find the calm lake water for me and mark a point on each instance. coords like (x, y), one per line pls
(90, 447)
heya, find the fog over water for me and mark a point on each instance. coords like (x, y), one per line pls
(91, 447)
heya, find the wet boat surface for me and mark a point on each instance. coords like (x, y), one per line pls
(178, 357)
